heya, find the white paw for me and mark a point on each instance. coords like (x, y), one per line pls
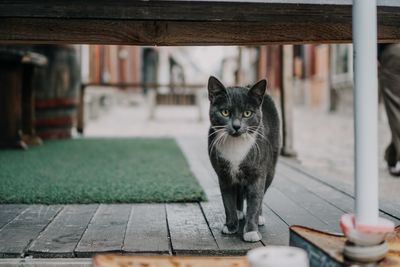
(261, 220)
(252, 236)
(226, 231)
(240, 214)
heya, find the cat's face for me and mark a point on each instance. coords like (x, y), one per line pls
(235, 111)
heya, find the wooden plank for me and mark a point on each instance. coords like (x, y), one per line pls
(130, 32)
(62, 235)
(106, 230)
(290, 211)
(29, 262)
(147, 230)
(339, 199)
(195, 151)
(188, 22)
(315, 205)
(9, 211)
(17, 235)
(275, 231)
(228, 244)
(189, 231)
(168, 261)
(184, 10)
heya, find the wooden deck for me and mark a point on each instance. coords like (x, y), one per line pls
(79, 231)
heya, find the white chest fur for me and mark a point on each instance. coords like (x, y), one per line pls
(234, 150)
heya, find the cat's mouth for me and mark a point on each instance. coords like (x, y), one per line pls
(236, 134)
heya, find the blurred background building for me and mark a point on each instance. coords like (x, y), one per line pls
(60, 91)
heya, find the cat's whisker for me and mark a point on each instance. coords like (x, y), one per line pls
(216, 140)
(216, 132)
(257, 133)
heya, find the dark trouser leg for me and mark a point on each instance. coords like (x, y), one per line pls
(389, 83)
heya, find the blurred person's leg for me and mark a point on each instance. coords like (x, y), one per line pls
(390, 89)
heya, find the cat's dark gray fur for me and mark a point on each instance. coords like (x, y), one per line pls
(255, 139)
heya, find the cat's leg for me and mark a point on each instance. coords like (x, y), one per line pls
(240, 202)
(261, 219)
(255, 193)
(229, 198)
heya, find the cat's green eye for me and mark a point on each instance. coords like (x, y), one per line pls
(247, 113)
(225, 112)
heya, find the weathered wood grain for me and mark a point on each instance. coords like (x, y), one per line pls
(29, 262)
(9, 212)
(195, 151)
(315, 205)
(183, 10)
(106, 230)
(62, 235)
(167, 261)
(17, 235)
(228, 244)
(339, 199)
(129, 32)
(275, 231)
(290, 211)
(187, 22)
(147, 230)
(189, 231)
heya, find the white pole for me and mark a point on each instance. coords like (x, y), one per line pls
(366, 111)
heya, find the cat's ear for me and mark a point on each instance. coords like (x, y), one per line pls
(257, 91)
(215, 87)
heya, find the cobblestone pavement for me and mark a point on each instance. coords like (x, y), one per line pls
(325, 144)
(324, 141)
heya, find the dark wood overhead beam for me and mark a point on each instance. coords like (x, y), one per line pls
(187, 22)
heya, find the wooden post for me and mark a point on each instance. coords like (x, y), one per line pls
(81, 106)
(286, 89)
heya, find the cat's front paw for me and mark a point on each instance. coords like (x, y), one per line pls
(225, 230)
(252, 236)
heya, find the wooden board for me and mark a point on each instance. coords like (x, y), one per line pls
(183, 22)
(189, 230)
(106, 230)
(276, 231)
(290, 211)
(228, 244)
(315, 205)
(325, 249)
(159, 261)
(17, 235)
(147, 230)
(195, 152)
(62, 235)
(9, 211)
(330, 193)
(59, 262)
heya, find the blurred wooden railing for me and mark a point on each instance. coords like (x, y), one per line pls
(177, 94)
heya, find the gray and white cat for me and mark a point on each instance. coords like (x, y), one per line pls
(243, 146)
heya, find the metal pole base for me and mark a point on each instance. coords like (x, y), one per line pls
(365, 254)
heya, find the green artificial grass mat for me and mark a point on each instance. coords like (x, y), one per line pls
(94, 170)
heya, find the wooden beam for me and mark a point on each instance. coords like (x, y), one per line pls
(157, 22)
